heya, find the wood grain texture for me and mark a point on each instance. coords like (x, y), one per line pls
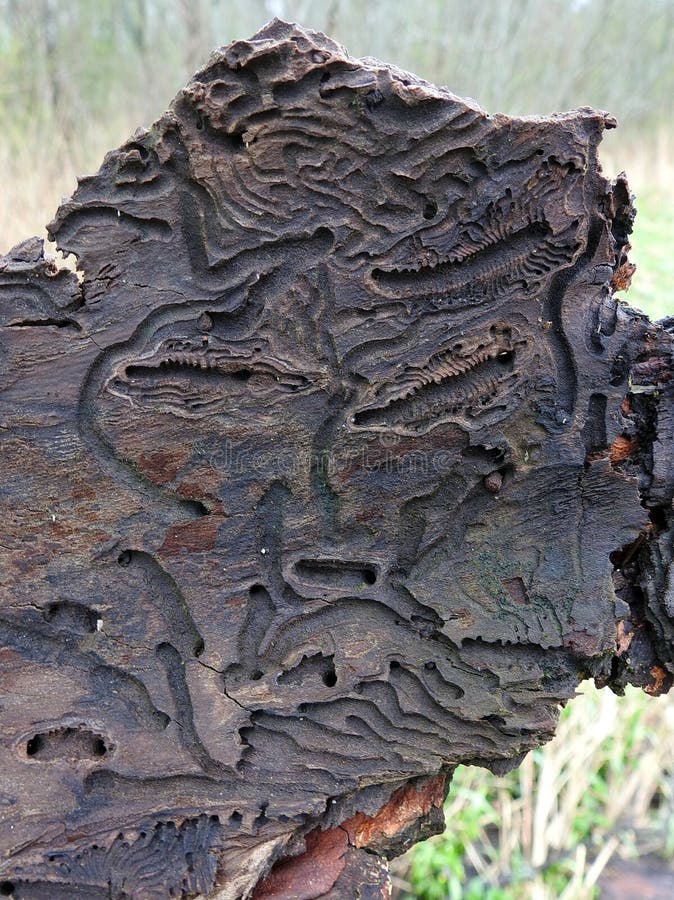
(335, 465)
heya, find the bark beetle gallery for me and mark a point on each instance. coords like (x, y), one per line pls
(335, 465)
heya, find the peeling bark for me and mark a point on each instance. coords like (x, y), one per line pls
(335, 465)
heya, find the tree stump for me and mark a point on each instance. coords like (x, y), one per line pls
(335, 464)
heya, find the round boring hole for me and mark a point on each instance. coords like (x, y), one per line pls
(34, 745)
(430, 209)
(330, 678)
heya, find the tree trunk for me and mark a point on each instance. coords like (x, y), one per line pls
(335, 465)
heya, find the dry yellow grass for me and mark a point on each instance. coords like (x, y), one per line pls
(35, 180)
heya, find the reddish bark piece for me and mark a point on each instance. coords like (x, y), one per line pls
(312, 874)
(337, 464)
(401, 821)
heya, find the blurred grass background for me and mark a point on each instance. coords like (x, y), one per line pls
(601, 790)
(77, 78)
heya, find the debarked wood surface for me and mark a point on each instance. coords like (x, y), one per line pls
(337, 463)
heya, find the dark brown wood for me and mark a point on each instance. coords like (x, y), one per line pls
(336, 464)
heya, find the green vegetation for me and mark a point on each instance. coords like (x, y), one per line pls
(653, 283)
(603, 787)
